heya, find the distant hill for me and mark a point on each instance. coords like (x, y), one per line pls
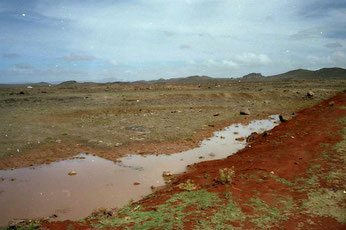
(253, 77)
(68, 83)
(303, 74)
(299, 74)
(185, 80)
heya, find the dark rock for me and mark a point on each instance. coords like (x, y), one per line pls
(283, 118)
(252, 137)
(245, 111)
(240, 139)
(310, 94)
(265, 134)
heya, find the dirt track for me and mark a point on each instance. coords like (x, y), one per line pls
(292, 178)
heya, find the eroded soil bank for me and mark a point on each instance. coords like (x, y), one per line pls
(290, 178)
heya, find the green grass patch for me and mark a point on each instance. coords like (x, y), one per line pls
(166, 216)
(267, 216)
(327, 203)
(223, 216)
(279, 179)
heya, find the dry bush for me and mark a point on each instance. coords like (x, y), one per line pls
(226, 175)
(188, 185)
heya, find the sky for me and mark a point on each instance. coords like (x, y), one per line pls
(129, 40)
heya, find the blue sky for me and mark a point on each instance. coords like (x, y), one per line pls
(128, 40)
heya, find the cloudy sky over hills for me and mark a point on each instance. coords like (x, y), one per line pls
(89, 40)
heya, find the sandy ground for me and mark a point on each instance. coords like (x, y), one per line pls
(47, 124)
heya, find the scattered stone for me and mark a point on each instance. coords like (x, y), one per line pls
(118, 144)
(240, 139)
(235, 133)
(245, 111)
(212, 154)
(53, 216)
(14, 224)
(58, 141)
(332, 103)
(138, 128)
(216, 114)
(252, 137)
(284, 117)
(265, 134)
(167, 174)
(153, 188)
(222, 137)
(136, 183)
(72, 173)
(310, 94)
(201, 157)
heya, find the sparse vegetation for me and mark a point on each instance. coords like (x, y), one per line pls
(56, 121)
(328, 203)
(267, 216)
(169, 215)
(226, 175)
(188, 186)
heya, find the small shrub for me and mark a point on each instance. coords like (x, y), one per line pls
(206, 176)
(226, 175)
(188, 186)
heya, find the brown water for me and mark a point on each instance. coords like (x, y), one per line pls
(48, 189)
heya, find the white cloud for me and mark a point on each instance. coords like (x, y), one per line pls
(253, 59)
(229, 63)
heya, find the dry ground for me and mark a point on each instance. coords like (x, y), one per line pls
(46, 124)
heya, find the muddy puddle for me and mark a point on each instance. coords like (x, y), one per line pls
(48, 190)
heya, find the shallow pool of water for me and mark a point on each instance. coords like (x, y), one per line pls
(45, 190)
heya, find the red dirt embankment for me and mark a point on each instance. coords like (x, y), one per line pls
(290, 152)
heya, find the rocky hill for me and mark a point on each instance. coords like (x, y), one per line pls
(303, 74)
